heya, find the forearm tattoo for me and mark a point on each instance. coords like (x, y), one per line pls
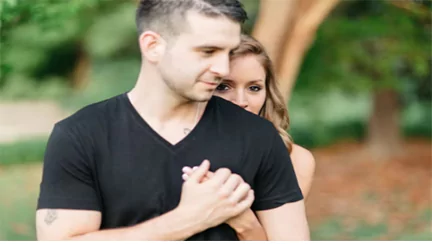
(51, 216)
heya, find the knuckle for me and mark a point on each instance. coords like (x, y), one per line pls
(186, 184)
(223, 194)
(224, 171)
(246, 186)
(236, 177)
(231, 202)
(252, 196)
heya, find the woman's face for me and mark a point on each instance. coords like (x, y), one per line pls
(245, 85)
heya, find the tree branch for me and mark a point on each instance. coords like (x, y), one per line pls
(300, 40)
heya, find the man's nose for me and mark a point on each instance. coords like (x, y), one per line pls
(221, 66)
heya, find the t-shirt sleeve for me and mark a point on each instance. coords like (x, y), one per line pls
(67, 180)
(275, 183)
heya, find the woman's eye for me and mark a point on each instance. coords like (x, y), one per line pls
(255, 88)
(222, 87)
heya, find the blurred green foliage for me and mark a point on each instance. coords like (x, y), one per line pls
(369, 45)
(362, 46)
(23, 152)
(41, 41)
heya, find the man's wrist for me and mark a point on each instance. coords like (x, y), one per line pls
(176, 225)
(191, 222)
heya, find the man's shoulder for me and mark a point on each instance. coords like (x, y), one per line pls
(239, 117)
(92, 116)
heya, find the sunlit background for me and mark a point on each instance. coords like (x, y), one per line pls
(357, 74)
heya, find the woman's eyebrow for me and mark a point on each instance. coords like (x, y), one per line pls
(258, 80)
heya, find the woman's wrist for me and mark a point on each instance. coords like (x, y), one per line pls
(245, 223)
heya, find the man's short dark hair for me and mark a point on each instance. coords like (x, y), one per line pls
(167, 17)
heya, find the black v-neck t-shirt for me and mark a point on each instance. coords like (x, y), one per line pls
(105, 157)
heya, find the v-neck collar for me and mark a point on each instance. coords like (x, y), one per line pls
(191, 136)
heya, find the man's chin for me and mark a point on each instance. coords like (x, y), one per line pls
(202, 97)
(201, 100)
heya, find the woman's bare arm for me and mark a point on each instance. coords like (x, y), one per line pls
(304, 168)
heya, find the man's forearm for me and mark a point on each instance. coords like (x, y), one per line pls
(172, 226)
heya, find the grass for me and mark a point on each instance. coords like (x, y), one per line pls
(426, 235)
(334, 229)
(19, 187)
(23, 152)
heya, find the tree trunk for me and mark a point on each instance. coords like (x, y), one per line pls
(309, 17)
(273, 23)
(384, 136)
(81, 71)
(287, 29)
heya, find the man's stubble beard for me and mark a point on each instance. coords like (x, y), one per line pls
(183, 93)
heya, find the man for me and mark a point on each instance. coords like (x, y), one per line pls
(113, 170)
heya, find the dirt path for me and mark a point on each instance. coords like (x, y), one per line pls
(353, 187)
(28, 119)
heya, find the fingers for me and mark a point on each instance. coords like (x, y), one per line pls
(201, 171)
(185, 177)
(240, 193)
(210, 174)
(230, 185)
(187, 171)
(220, 177)
(245, 203)
(222, 174)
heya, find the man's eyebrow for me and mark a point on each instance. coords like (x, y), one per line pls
(215, 47)
(227, 80)
(234, 48)
(208, 47)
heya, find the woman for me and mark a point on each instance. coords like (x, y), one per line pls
(251, 85)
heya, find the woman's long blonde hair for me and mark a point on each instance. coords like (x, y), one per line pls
(274, 108)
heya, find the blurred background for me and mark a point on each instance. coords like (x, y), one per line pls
(356, 74)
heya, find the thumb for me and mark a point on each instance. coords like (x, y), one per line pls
(199, 173)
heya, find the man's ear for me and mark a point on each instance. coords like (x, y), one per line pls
(152, 46)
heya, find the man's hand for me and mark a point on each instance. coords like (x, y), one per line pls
(245, 219)
(213, 200)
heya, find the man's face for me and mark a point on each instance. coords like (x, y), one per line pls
(198, 58)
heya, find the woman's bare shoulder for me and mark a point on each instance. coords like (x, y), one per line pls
(303, 160)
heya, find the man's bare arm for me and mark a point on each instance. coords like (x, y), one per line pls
(60, 224)
(63, 224)
(285, 223)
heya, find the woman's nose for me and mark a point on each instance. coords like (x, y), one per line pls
(241, 100)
